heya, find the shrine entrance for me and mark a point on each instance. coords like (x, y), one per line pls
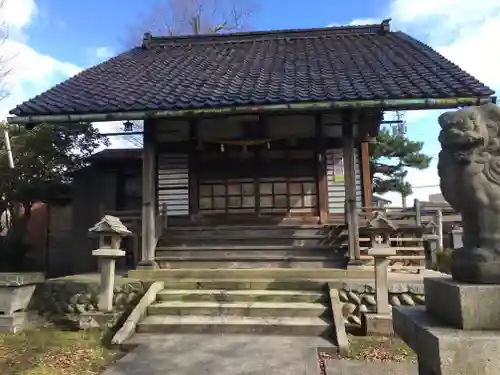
(257, 179)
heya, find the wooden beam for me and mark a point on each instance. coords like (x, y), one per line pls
(350, 185)
(148, 197)
(322, 183)
(366, 175)
(193, 171)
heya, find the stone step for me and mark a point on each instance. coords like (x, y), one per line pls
(246, 234)
(173, 263)
(257, 228)
(246, 284)
(248, 252)
(220, 295)
(232, 324)
(240, 309)
(252, 274)
(256, 242)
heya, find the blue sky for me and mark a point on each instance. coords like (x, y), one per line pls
(53, 39)
(95, 23)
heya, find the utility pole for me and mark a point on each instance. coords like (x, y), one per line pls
(7, 146)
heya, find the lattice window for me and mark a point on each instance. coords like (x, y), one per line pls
(227, 196)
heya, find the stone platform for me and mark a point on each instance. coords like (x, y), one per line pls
(457, 332)
(445, 350)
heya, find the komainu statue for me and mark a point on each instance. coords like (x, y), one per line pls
(469, 171)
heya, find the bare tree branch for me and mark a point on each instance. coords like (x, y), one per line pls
(191, 17)
(188, 17)
(5, 68)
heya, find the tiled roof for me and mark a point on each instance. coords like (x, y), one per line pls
(117, 154)
(328, 64)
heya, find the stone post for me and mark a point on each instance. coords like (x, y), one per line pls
(457, 238)
(380, 322)
(110, 231)
(439, 224)
(433, 241)
(381, 257)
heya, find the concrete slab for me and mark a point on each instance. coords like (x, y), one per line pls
(352, 367)
(220, 355)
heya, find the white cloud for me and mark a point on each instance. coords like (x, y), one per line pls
(358, 22)
(100, 54)
(365, 21)
(30, 71)
(464, 32)
(16, 15)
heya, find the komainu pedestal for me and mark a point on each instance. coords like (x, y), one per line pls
(458, 331)
(442, 343)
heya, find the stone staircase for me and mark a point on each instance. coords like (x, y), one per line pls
(264, 307)
(239, 246)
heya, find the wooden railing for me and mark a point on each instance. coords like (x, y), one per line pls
(404, 229)
(409, 256)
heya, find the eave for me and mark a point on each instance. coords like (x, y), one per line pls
(300, 107)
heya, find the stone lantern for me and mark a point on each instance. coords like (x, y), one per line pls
(380, 229)
(110, 231)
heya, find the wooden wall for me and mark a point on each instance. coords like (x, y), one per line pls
(336, 184)
(173, 183)
(182, 143)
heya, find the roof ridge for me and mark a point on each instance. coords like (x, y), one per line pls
(150, 41)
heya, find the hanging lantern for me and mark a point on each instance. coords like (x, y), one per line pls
(128, 126)
(221, 147)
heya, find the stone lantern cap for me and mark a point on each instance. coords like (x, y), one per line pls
(110, 225)
(380, 222)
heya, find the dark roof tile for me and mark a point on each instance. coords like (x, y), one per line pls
(345, 63)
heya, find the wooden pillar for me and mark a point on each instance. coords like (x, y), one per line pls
(322, 183)
(148, 197)
(351, 209)
(193, 171)
(366, 175)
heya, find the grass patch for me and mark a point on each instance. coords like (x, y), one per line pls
(378, 348)
(372, 348)
(51, 351)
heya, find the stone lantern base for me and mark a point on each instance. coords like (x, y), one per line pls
(16, 290)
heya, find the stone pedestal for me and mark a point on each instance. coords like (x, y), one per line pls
(107, 259)
(16, 290)
(380, 323)
(457, 332)
(18, 321)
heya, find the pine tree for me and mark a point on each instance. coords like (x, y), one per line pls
(391, 155)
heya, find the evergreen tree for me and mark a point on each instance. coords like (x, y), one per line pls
(44, 159)
(391, 155)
